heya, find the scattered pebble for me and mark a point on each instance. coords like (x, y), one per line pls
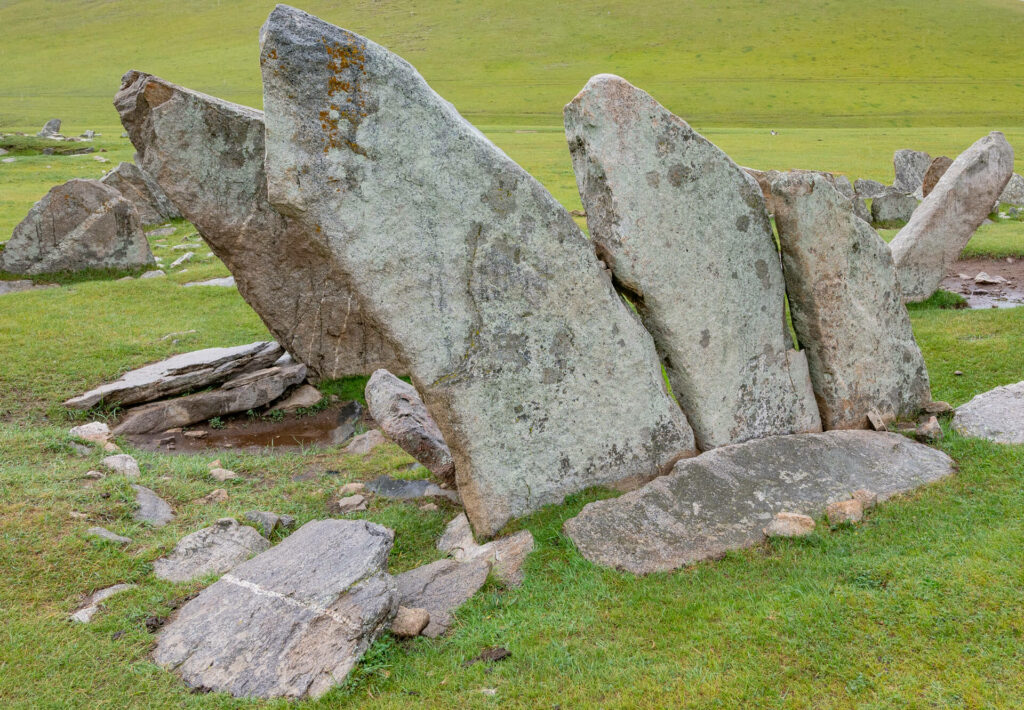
(845, 511)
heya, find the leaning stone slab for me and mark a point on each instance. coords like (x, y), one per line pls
(892, 208)
(151, 508)
(846, 308)
(943, 224)
(180, 373)
(400, 413)
(909, 167)
(212, 550)
(441, 587)
(82, 224)
(50, 129)
(723, 499)
(291, 622)
(687, 238)
(996, 415)
(1013, 194)
(207, 154)
(541, 380)
(245, 392)
(141, 190)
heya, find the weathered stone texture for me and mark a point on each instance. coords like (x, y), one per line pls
(687, 238)
(934, 173)
(540, 378)
(996, 415)
(846, 307)
(207, 155)
(212, 550)
(142, 191)
(909, 167)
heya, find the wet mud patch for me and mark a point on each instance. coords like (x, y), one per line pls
(1005, 287)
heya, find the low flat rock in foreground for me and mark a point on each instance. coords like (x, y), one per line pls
(291, 622)
(82, 224)
(996, 415)
(540, 378)
(723, 499)
(212, 550)
(441, 587)
(188, 371)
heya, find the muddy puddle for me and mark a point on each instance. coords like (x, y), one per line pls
(1003, 287)
(330, 426)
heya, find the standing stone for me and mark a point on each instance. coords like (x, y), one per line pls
(207, 155)
(1014, 192)
(212, 550)
(934, 173)
(398, 410)
(687, 238)
(860, 208)
(868, 189)
(909, 167)
(996, 415)
(82, 224)
(50, 129)
(893, 208)
(846, 308)
(540, 378)
(291, 622)
(723, 499)
(844, 186)
(941, 227)
(142, 191)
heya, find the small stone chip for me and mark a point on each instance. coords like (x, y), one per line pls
(845, 511)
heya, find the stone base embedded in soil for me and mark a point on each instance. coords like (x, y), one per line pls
(723, 499)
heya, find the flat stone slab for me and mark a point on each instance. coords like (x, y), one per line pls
(506, 554)
(91, 606)
(180, 373)
(207, 154)
(152, 508)
(723, 499)
(996, 415)
(105, 534)
(226, 282)
(542, 381)
(441, 587)
(245, 392)
(401, 489)
(291, 622)
(212, 550)
(686, 235)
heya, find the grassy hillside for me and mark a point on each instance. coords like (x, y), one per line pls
(715, 62)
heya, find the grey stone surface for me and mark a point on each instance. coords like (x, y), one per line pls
(506, 554)
(82, 224)
(935, 171)
(91, 606)
(212, 550)
(941, 227)
(365, 442)
(892, 208)
(302, 397)
(123, 464)
(844, 186)
(868, 189)
(245, 392)
(291, 622)
(1013, 193)
(50, 129)
(142, 191)
(723, 499)
(400, 413)
(188, 371)
(268, 521)
(540, 378)
(441, 587)
(860, 208)
(151, 508)
(105, 534)
(207, 154)
(226, 282)
(401, 489)
(96, 432)
(996, 415)
(16, 286)
(687, 238)
(909, 167)
(846, 308)
(409, 622)
(154, 274)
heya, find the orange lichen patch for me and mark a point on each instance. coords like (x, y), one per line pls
(344, 62)
(157, 93)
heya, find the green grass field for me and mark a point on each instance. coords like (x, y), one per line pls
(919, 607)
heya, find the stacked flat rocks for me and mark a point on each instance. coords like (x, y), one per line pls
(82, 224)
(540, 378)
(207, 155)
(678, 224)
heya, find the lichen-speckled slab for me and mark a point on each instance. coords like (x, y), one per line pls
(723, 499)
(540, 378)
(996, 415)
(846, 307)
(686, 235)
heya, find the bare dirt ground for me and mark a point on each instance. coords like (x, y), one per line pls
(1007, 293)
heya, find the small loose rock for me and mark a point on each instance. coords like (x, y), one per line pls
(845, 511)
(350, 504)
(790, 525)
(410, 622)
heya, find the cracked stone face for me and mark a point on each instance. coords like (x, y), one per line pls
(540, 378)
(686, 235)
(207, 156)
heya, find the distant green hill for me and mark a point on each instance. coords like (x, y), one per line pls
(716, 62)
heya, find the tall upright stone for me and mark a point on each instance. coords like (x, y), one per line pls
(909, 167)
(207, 155)
(846, 307)
(687, 238)
(941, 226)
(541, 379)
